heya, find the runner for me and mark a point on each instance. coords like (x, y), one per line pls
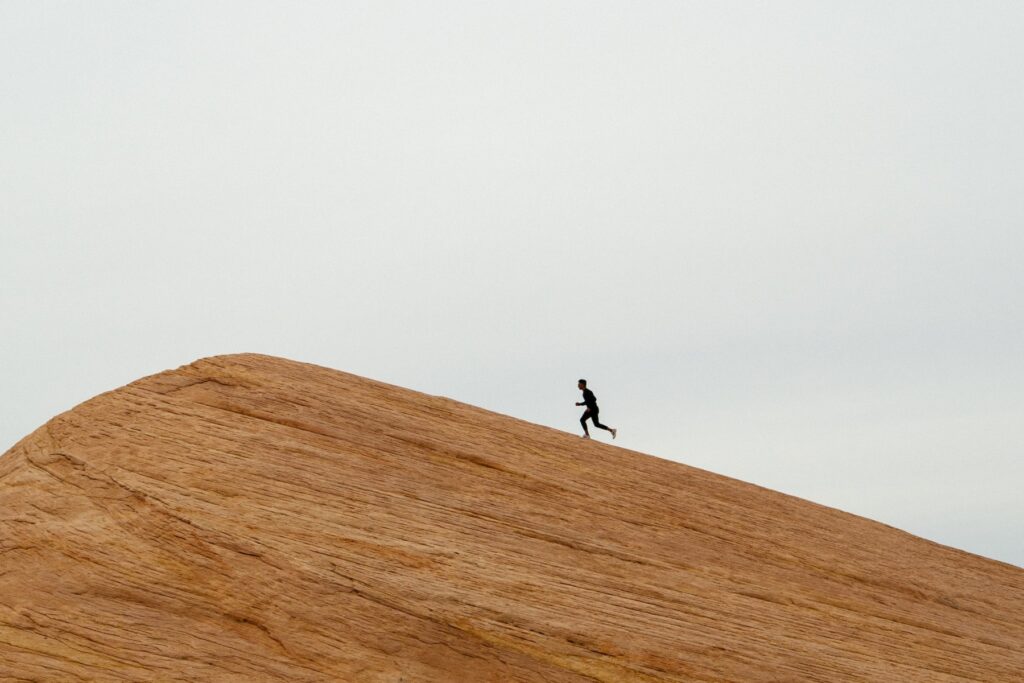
(590, 401)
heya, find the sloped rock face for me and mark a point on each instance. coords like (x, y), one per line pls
(249, 518)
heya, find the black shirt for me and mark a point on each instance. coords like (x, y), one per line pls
(590, 400)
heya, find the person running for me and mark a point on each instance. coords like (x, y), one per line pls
(590, 401)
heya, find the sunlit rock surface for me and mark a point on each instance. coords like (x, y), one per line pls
(248, 518)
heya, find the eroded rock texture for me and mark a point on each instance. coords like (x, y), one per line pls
(247, 518)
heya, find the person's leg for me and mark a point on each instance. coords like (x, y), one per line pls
(583, 421)
(597, 423)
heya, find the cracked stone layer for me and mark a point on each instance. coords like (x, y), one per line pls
(250, 518)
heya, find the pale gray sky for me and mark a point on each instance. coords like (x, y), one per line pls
(782, 240)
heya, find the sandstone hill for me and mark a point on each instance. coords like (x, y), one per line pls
(247, 518)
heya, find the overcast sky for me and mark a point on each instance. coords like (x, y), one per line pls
(783, 240)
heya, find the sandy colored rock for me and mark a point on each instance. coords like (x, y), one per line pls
(247, 518)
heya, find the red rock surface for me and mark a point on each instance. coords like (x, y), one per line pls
(248, 518)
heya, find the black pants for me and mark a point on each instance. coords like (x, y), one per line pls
(592, 415)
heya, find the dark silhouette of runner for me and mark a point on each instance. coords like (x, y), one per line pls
(590, 401)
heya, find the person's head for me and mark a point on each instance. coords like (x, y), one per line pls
(582, 384)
